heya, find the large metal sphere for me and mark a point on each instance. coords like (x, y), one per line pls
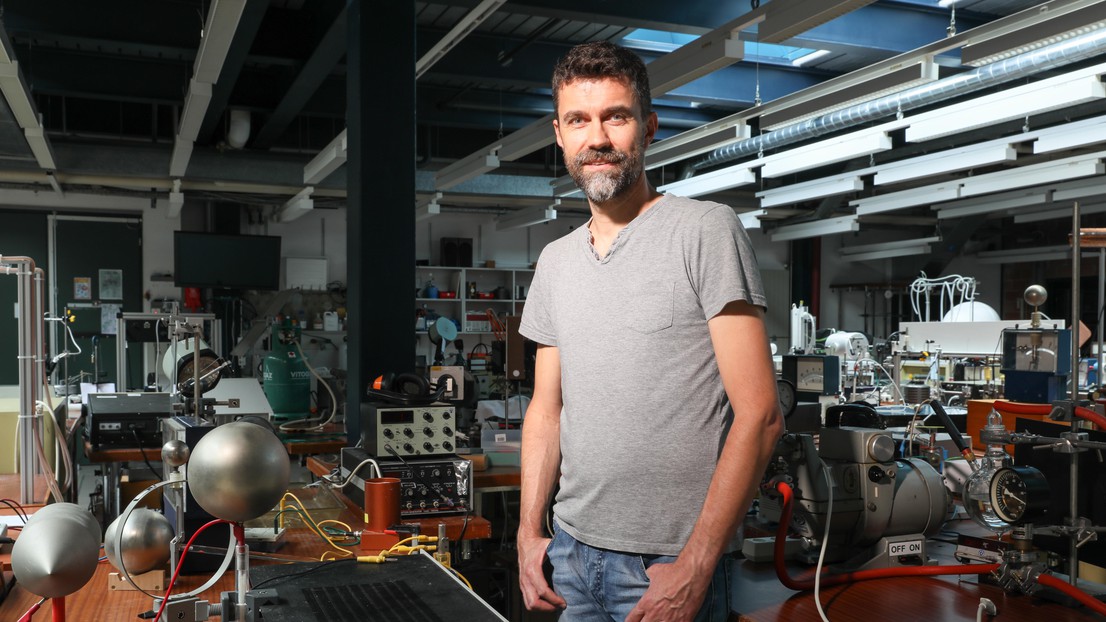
(1035, 295)
(238, 471)
(145, 542)
(175, 453)
(56, 553)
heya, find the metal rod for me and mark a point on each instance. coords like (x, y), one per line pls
(1098, 313)
(1073, 509)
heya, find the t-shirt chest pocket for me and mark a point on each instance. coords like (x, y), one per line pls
(647, 305)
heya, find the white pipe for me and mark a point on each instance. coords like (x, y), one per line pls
(29, 338)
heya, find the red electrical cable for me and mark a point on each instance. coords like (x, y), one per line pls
(180, 563)
(26, 617)
(1089, 601)
(1043, 409)
(879, 573)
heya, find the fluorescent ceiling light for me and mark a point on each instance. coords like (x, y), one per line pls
(751, 220)
(806, 59)
(949, 161)
(690, 62)
(182, 153)
(527, 216)
(714, 181)
(864, 88)
(525, 140)
(1071, 135)
(1068, 90)
(195, 108)
(565, 186)
(462, 29)
(40, 147)
(297, 206)
(925, 195)
(1079, 189)
(855, 144)
(818, 188)
(884, 250)
(692, 143)
(463, 170)
(814, 229)
(18, 95)
(1034, 175)
(991, 204)
(1057, 213)
(327, 161)
(1025, 255)
(787, 19)
(218, 33)
(947, 3)
(1050, 28)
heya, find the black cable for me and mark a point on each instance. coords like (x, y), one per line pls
(138, 442)
(303, 572)
(18, 509)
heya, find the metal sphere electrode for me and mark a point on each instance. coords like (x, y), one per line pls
(238, 471)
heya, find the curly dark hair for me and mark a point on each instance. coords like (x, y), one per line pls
(603, 59)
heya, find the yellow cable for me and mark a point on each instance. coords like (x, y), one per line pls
(311, 521)
(461, 577)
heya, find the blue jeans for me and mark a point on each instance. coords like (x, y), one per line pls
(603, 586)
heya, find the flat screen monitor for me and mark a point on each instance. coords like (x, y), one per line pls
(226, 261)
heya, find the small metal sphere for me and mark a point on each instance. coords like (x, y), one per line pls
(1035, 295)
(145, 541)
(175, 453)
(238, 471)
(56, 553)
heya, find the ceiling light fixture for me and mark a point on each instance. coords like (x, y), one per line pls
(837, 149)
(218, 34)
(714, 181)
(885, 250)
(1051, 27)
(991, 204)
(1034, 175)
(751, 219)
(787, 19)
(814, 229)
(527, 217)
(949, 161)
(694, 142)
(463, 170)
(805, 191)
(326, 161)
(297, 206)
(1074, 88)
(925, 195)
(806, 59)
(176, 200)
(460, 30)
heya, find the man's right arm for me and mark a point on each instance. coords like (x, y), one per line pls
(540, 460)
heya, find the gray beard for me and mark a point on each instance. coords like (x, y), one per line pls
(602, 187)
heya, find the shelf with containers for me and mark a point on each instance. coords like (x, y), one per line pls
(468, 294)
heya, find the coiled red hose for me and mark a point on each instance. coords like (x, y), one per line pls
(1086, 599)
(878, 573)
(1043, 409)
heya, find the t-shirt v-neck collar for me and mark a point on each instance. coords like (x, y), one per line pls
(621, 238)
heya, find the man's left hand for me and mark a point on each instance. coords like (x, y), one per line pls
(674, 595)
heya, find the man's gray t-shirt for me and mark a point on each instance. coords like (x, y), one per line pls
(645, 414)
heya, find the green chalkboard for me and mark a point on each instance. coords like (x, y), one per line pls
(109, 254)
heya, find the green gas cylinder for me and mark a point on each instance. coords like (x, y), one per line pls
(287, 381)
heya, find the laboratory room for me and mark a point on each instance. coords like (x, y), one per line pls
(535, 310)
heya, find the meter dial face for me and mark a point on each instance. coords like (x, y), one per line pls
(1019, 494)
(809, 375)
(786, 392)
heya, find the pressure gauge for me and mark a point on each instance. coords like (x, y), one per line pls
(788, 399)
(1019, 494)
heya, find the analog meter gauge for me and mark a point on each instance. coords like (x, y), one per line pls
(1036, 350)
(788, 398)
(813, 375)
(1019, 494)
